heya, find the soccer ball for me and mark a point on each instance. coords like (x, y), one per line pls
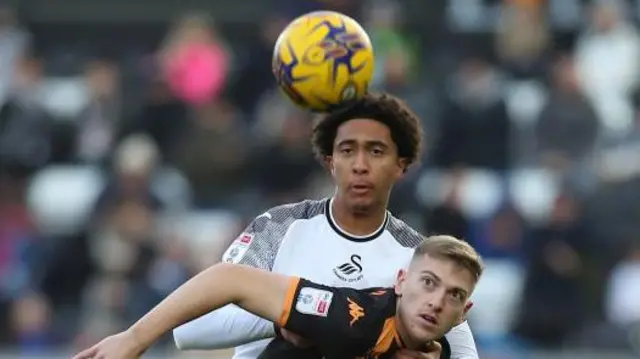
(323, 60)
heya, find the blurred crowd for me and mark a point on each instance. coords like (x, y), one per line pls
(123, 172)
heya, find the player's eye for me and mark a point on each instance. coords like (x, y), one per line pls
(346, 151)
(457, 296)
(377, 152)
(429, 283)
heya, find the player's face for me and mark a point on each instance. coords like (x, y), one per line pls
(365, 163)
(434, 296)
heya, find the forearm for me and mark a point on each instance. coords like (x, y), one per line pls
(189, 301)
(224, 328)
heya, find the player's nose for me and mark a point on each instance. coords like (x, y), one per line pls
(360, 163)
(436, 302)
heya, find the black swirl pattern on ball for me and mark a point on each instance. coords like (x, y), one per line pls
(283, 73)
(340, 46)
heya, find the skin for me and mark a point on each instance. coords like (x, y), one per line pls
(364, 154)
(364, 165)
(263, 293)
(433, 287)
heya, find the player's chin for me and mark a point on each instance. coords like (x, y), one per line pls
(362, 203)
(423, 334)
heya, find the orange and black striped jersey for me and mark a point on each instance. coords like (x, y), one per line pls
(343, 323)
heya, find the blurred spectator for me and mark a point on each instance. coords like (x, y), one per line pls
(622, 306)
(447, 217)
(270, 116)
(25, 137)
(14, 44)
(617, 160)
(162, 117)
(136, 267)
(194, 60)
(284, 168)
(608, 64)
(134, 165)
(31, 324)
(254, 78)
(567, 129)
(215, 157)
(398, 76)
(99, 121)
(20, 250)
(554, 299)
(475, 127)
(523, 39)
(386, 37)
(501, 236)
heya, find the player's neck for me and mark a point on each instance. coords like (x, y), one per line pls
(359, 224)
(404, 337)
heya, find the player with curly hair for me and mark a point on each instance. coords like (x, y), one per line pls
(349, 240)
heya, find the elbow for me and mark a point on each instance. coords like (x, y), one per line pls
(224, 278)
(224, 270)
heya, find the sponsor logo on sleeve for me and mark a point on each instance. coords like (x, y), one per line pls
(238, 249)
(313, 301)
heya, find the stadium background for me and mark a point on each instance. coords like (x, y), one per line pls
(122, 173)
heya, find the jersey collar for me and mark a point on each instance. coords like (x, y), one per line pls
(334, 225)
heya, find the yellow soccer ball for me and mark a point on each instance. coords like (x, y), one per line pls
(323, 60)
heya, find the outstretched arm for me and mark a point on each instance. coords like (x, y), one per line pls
(260, 292)
(231, 326)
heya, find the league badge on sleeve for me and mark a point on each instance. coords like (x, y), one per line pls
(314, 301)
(238, 249)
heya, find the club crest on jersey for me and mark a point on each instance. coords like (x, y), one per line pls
(238, 248)
(314, 301)
(350, 271)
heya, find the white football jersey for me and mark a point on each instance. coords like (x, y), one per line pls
(303, 239)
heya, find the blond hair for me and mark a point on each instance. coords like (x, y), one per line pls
(454, 249)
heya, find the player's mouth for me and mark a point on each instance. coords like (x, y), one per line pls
(361, 188)
(429, 320)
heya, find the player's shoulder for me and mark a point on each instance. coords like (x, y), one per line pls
(404, 234)
(369, 306)
(292, 211)
(379, 302)
(284, 215)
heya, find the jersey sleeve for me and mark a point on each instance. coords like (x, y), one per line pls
(258, 245)
(224, 328)
(332, 317)
(461, 341)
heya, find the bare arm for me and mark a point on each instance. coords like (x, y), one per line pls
(230, 326)
(257, 291)
(265, 294)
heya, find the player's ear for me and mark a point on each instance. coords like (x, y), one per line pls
(400, 279)
(468, 307)
(403, 165)
(328, 163)
(466, 310)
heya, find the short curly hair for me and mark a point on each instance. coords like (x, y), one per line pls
(404, 125)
